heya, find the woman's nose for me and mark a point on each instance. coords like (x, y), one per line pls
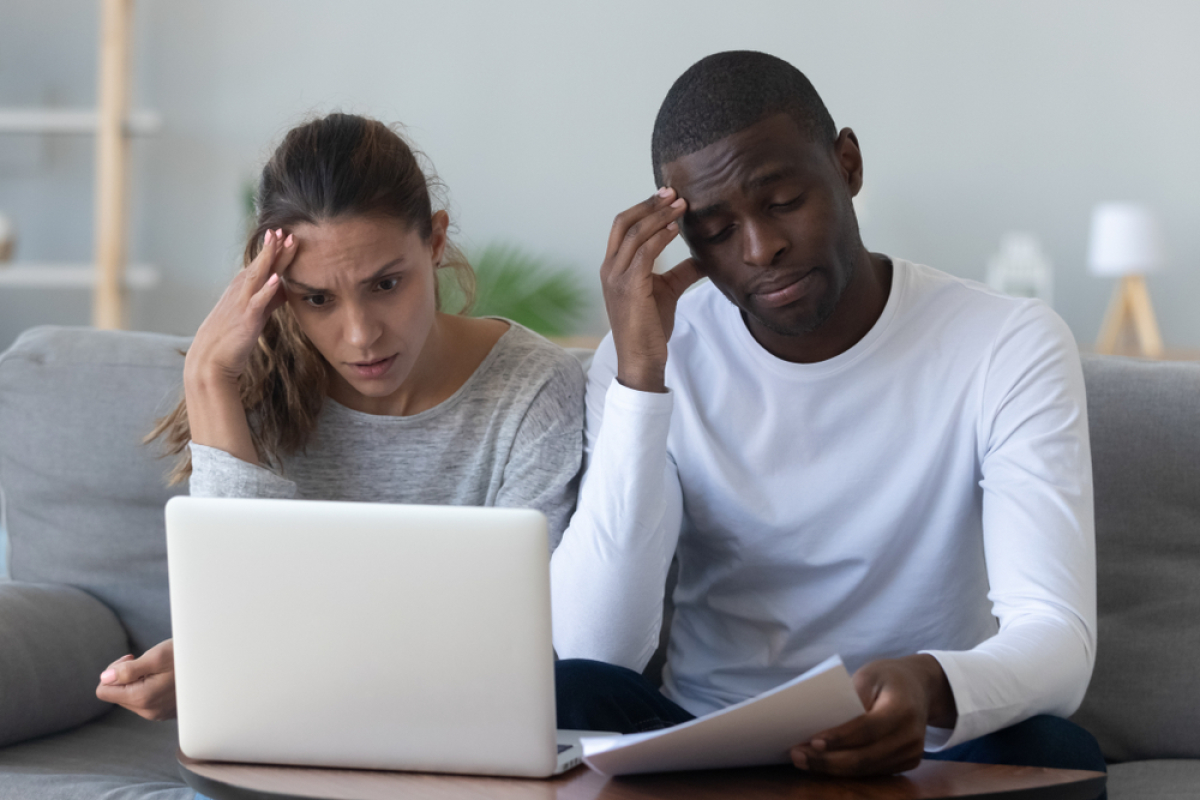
(362, 329)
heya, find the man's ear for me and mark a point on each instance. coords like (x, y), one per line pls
(849, 160)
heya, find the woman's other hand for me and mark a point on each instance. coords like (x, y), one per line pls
(146, 685)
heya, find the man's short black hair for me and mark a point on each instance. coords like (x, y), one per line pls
(728, 92)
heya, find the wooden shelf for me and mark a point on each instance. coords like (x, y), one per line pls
(72, 121)
(70, 276)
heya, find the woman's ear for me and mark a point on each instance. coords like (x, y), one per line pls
(440, 224)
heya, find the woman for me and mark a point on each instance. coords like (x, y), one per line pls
(327, 370)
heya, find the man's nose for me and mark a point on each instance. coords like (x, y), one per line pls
(762, 244)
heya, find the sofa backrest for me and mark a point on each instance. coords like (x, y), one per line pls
(84, 497)
(1145, 430)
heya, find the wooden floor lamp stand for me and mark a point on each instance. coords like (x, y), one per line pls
(1131, 304)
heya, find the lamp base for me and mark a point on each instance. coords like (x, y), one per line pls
(1131, 304)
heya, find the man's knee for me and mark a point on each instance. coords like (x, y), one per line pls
(580, 679)
(1062, 743)
(592, 695)
(1041, 741)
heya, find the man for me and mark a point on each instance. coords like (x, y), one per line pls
(848, 453)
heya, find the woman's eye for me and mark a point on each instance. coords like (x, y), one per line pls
(315, 300)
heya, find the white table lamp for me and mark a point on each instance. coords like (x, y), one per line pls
(1125, 243)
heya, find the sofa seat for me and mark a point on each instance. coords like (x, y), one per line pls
(119, 756)
(1156, 779)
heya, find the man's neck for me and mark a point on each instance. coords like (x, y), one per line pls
(857, 311)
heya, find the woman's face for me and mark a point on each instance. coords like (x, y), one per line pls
(362, 290)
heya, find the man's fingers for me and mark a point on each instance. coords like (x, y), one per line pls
(646, 238)
(858, 732)
(641, 263)
(631, 216)
(884, 757)
(679, 277)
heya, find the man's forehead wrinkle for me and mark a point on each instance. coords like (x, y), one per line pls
(752, 178)
(704, 191)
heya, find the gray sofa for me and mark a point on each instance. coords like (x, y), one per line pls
(89, 583)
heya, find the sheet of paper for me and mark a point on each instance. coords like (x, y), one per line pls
(757, 731)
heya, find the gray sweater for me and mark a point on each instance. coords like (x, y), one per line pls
(512, 435)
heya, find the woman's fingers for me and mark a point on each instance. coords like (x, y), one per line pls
(285, 254)
(264, 263)
(269, 292)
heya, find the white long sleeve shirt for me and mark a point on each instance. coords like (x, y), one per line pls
(928, 490)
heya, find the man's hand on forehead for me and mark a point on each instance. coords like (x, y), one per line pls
(640, 303)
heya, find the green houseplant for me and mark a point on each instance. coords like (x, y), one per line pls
(512, 283)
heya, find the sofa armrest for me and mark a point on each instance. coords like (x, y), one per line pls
(56, 642)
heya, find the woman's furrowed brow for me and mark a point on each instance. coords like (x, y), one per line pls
(379, 273)
(395, 262)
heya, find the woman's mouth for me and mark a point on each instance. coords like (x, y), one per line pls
(369, 370)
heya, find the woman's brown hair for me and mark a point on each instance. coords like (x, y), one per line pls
(338, 166)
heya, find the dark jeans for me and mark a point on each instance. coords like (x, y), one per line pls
(595, 696)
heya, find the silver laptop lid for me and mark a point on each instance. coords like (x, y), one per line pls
(362, 635)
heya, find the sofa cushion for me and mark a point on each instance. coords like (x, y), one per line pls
(57, 641)
(118, 757)
(1155, 780)
(1145, 432)
(84, 496)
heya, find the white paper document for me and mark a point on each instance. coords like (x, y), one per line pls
(757, 731)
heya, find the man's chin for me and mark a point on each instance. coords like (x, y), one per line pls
(791, 322)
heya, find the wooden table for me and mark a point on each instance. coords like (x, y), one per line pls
(933, 779)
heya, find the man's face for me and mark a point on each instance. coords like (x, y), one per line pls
(771, 223)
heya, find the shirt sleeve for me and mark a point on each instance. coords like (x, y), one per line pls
(1039, 536)
(608, 575)
(216, 473)
(543, 466)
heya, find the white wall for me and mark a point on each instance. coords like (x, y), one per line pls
(975, 119)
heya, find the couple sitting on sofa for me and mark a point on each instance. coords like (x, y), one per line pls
(847, 453)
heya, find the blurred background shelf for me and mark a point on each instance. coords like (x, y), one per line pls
(112, 123)
(72, 121)
(71, 276)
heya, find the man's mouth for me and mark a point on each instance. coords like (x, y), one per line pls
(372, 369)
(789, 292)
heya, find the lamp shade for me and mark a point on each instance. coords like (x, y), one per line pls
(1125, 240)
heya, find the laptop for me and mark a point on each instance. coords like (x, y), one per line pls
(364, 635)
